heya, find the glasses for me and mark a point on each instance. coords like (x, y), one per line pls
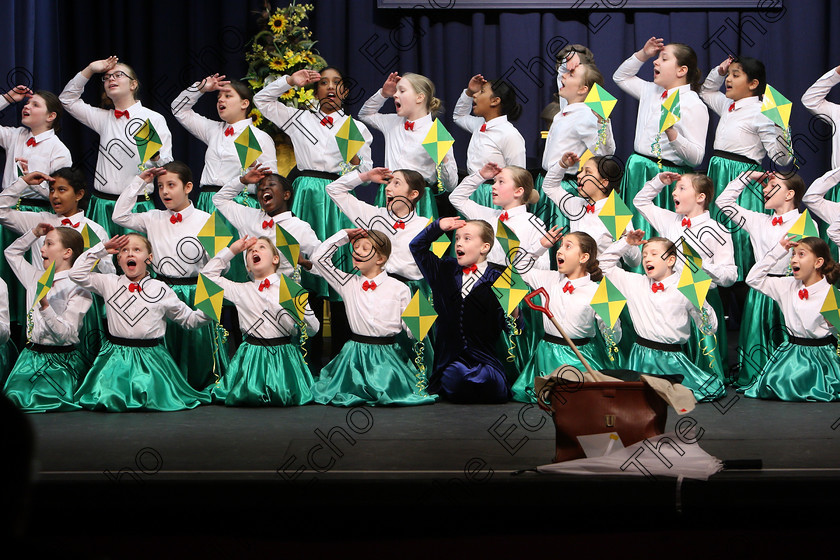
(116, 75)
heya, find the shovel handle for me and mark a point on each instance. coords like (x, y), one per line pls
(529, 299)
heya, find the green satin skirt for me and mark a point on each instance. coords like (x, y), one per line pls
(312, 205)
(799, 373)
(722, 171)
(101, 210)
(261, 375)
(126, 378)
(370, 374)
(43, 382)
(709, 352)
(200, 353)
(762, 331)
(659, 362)
(425, 207)
(549, 356)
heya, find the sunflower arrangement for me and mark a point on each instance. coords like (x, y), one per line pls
(284, 45)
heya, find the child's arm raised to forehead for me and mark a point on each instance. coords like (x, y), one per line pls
(727, 201)
(710, 92)
(123, 214)
(340, 193)
(758, 278)
(272, 109)
(659, 218)
(71, 97)
(239, 215)
(421, 249)
(461, 114)
(625, 76)
(182, 108)
(25, 271)
(370, 115)
(814, 97)
(826, 210)
(573, 207)
(460, 199)
(82, 271)
(12, 218)
(323, 266)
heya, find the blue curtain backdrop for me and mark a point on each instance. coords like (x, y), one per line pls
(170, 44)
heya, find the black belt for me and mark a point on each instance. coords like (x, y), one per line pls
(658, 345)
(186, 281)
(210, 188)
(279, 341)
(318, 174)
(37, 202)
(115, 197)
(777, 275)
(733, 157)
(560, 340)
(134, 342)
(47, 349)
(380, 340)
(827, 341)
(667, 162)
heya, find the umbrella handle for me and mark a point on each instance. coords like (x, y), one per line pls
(541, 308)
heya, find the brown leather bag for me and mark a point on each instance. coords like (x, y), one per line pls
(630, 408)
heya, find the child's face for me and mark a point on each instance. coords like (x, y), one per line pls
(804, 262)
(686, 198)
(569, 256)
(482, 101)
(591, 185)
(505, 192)
(469, 247)
(230, 106)
(572, 83)
(133, 258)
(398, 194)
(655, 265)
(173, 192)
(738, 85)
(64, 200)
(35, 113)
(667, 72)
(776, 194)
(331, 90)
(261, 259)
(52, 250)
(407, 101)
(122, 86)
(366, 259)
(271, 196)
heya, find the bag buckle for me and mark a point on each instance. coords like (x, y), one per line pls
(609, 420)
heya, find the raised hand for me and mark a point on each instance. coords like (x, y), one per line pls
(490, 170)
(635, 237)
(116, 243)
(652, 47)
(475, 84)
(242, 244)
(448, 224)
(303, 77)
(255, 174)
(213, 83)
(104, 65)
(377, 175)
(389, 88)
(723, 67)
(42, 229)
(18, 93)
(787, 242)
(668, 177)
(151, 173)
(551, 237)
(568, 159)
(36, 178)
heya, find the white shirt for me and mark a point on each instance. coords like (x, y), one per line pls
(315, 146)
(764, 236)
(664, 316)
(118, 157)
(574, 129)
(574, 208)
(690, 145)
(47, 155)
(139, 315)
(177, 251)
(23, 221)
(4, 312)
(221, 161)
(60, 323)
(500, 142)
(826, 210)
(571, 309)
(404, 148)
(366, 216)
(376, 312)
(527, 227)
(260, 313)
(249, 221)
(802, 316)
(709, 240)
(814, 100)
(744, 130)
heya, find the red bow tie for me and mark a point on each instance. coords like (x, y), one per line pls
(565, 113)
(503, 217)
(268, 223)
(590, 208)
(657, 287)
(399, 225)
(409, 125)
(686, 222)
(328, 120)
(31, 143)
(484, 127)
(265, 284)
(777, 221)
(229, 131)
(118, 114)
(175, 218)
(803, 294)
(368, 285)
(568, 288)
(469, 269)
(67, 222)
(732, 107)
(665, 94)
(134, 287)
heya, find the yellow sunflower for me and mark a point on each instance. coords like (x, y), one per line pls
(256, 116)
(277, 64)
(277, 24)
(288, 95)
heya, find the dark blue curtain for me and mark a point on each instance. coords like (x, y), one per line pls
(173, 43)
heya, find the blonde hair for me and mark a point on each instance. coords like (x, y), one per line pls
(144, 239)
(274, 250)
(485, 231)
(523, 178)
(423, 85)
